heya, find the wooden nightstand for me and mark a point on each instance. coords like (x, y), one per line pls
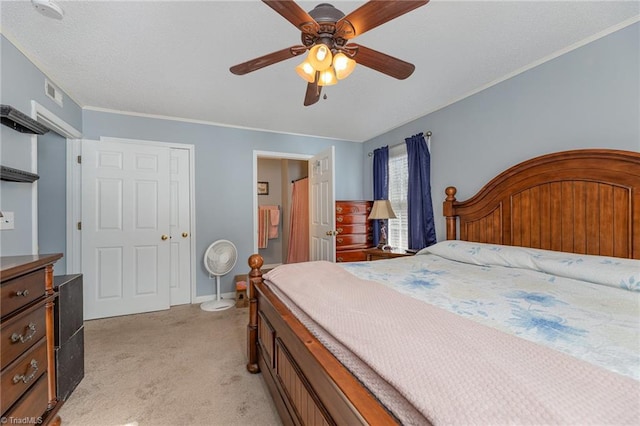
(377, 254)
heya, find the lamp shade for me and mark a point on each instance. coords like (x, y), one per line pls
(320, 57)
(306, 71)
(327, 77)
(382, 210)
(343, 65)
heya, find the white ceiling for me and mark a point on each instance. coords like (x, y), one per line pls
(172, 58)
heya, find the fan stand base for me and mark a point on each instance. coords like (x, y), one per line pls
(217, 305)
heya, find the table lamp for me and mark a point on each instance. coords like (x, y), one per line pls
(382, 210)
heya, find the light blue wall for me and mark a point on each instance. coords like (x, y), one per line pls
(22, 82)
(587, 98)
(52, 195)
(224, 174)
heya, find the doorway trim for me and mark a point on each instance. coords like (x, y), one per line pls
(64, 129)
(273, 155)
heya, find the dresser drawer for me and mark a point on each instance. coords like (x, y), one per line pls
(21, 291)
(353, 207)
(20, 375)
(31, 407)
(21, 332)
(348, 219)
(353, 239)
(354, 229)
(351, 256)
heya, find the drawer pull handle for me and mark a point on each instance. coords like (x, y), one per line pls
(24, 292)
(339, 230)
(340, 240)
(15, 337)
(23, 377)
(339, 219)
(339, 209)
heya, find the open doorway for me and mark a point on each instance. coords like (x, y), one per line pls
(275, 177)
(321, 186)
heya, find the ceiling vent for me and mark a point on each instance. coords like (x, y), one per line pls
(53, 92)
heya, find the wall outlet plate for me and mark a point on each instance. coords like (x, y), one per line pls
(6, 221)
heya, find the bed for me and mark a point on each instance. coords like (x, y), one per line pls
(562, 350)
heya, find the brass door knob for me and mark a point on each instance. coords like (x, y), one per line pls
(185, 234)
(164, 237)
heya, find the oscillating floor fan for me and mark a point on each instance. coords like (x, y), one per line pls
(219, 260)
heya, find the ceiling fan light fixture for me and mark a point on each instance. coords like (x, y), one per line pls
(320, 57)
(343, 65)
(327, 77)
(306, 71)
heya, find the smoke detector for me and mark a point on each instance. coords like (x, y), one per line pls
(48, 8)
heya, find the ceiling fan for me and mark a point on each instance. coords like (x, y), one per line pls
(326, 33)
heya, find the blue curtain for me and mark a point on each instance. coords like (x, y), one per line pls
(380, 183)
(422, 232)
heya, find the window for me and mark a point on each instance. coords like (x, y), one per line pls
(398, 232)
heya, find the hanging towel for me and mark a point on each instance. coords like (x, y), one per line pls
(274, 221)
(263, 227)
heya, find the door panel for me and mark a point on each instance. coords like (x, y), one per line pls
(125, 212)
(322, 206)
(180, 225)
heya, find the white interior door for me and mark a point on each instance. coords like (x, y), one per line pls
(125, 228)
(180, 225)
(322, 202)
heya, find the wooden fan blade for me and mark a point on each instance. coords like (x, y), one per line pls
(293, 13)
(269, 59)
(383, 63)
(313, 93)
(373, 14)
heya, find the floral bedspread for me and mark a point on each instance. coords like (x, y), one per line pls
(585, 306)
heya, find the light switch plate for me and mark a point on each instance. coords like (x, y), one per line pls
(6, 221)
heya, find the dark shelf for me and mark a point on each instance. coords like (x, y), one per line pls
(15, 175)
(21, 122)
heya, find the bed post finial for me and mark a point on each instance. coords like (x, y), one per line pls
(255, 277)
(448, 212)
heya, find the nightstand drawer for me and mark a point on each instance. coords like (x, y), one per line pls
(23, 373)
(377, 254)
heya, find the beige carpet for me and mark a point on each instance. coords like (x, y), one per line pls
(183, 366)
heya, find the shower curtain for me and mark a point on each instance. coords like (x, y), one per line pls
(299, 222)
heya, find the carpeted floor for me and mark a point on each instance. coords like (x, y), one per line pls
(182, 366)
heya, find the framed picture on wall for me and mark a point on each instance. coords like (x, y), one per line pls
(263, 188)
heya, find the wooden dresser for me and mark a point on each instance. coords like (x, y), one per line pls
(28, 375)
(354, 230)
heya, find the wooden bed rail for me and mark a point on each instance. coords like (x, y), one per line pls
(255, 277)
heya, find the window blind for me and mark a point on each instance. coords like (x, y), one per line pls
(398, 189)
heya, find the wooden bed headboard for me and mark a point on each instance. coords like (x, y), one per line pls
(583, 201)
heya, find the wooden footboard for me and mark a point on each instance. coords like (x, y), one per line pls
(308, 384)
